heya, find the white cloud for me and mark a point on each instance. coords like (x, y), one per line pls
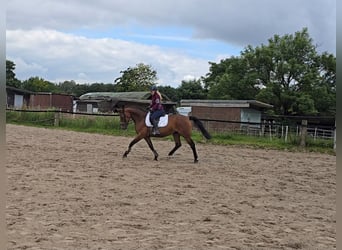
(174, 37)
(29, 67)
(189, 77)
(58, 56)
(239, 22)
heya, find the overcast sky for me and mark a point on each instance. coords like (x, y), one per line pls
(92, 41)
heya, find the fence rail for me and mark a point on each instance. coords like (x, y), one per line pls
(264, 129)
(271, 129)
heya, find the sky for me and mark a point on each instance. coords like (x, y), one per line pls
(94, 41)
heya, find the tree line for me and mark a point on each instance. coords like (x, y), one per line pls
(288, 73)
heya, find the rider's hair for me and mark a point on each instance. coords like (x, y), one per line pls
(160, 96)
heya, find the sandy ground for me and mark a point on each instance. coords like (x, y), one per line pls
(69, 190)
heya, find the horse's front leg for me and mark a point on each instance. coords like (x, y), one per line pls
(149, 143)
(134, 141)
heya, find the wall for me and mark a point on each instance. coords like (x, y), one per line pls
(83, 106)
(218, 113)
(64, 102)
(41, 101)
(49, 100)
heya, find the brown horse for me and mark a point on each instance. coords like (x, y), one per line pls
(178, 125)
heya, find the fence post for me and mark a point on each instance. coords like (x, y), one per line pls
(248, 127)
(303, 131)
(270, 131)
(57, 118)
(262, 128)
(335, 136)
(286, 132)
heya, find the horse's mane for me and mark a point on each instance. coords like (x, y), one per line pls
(139, 109)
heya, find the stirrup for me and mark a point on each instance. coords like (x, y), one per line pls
(155, 131)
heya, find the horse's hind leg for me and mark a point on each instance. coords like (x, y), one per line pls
(193, 147)
(178, 143)
(149, 143)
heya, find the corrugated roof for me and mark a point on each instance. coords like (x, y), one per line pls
(135, 95)
(142, 95)
(225, 103)
(23, 91)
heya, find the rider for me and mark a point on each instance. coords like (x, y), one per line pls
(156, 108)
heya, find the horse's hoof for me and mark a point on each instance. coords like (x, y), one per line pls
(195, 161)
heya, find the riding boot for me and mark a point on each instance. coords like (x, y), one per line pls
(155, 130)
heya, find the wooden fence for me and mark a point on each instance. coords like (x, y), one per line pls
(269, 130)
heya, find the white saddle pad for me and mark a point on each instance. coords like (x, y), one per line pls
(163, 120)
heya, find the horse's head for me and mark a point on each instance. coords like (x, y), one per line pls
(137, 115)
(125, 117)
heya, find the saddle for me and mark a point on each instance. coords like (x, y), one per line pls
(163, 120)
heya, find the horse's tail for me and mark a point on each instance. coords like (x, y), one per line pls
(199, 124)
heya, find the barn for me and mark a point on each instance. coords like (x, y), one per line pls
(17, 98)
(106, 102)
(47, 100)
(20, 98)
(221, 115)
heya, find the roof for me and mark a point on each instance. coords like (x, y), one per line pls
(51, 93)
(24, 91)
(142, 95)
(14, 89)
(226, 103)
(136, 95)
(122, 98)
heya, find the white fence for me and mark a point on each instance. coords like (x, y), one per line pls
(273, 130)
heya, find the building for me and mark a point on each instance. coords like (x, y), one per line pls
(17, 98)
(220, 115)
(20, 98)
(106, 102)
(41, 100)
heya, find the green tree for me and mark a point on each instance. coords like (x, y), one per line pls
(73, 88)
(139, 78)
(288, 73)
(232, 81)
(323, 90)
(81, 89)
(11, 79)
(101, 87)
(191, 89)
(67, 87)
(292, 69)
(170, 92)
(288, 68)
(37, 84)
